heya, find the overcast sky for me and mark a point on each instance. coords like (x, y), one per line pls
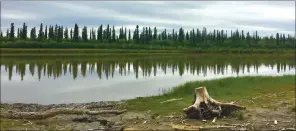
(267, 17)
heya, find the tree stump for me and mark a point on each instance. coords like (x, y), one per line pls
(205, 107)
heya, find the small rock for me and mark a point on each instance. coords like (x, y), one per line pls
(285, 103)
(214, 120)
(101, 128)
(275, 122)
(289, 129)
(118, 123)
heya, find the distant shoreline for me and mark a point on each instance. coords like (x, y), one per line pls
(82, 51)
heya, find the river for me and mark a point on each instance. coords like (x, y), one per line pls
(58, 79)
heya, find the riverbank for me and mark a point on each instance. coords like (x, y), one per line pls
(266, 99)
(77, 51)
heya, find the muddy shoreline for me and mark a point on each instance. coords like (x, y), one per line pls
(34, 107)
(258, 118)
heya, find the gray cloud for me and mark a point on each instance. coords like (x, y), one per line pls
(267, 17)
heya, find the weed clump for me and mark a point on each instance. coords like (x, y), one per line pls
(239, 115)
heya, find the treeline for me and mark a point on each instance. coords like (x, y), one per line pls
(150, 38)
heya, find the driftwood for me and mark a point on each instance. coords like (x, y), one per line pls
(205, 107)
(85, 119)
(54, 112)
(98, 106)
(105, 124)
(170, 100)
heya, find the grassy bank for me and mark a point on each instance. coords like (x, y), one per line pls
(226, 89)
(77, 51)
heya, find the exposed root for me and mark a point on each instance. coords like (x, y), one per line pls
(54, 112)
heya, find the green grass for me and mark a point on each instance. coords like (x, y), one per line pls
(226, 89)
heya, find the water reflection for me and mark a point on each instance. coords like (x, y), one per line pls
(64, 79)
(145, 67)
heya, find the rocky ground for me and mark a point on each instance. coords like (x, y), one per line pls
(277, 115)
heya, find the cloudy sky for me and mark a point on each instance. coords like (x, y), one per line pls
(266, 17)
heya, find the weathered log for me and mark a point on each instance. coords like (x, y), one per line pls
(54, 112)
(98, 106)
(206, 107)
(85, 119)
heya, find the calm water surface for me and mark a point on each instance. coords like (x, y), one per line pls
(68, 79)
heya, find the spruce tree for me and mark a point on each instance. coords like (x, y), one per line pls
(277, 39)
(76, 33)
(193, 37)
(165, 34)
(21, 33)
(84, 33)
(173, 34)
(124, 34)
(71, 34)
(90, 34)
(45, 34)
(49, 32)
(150, 34)
(93, 34)
(66, 34)
(40, 34)
(137, 33)
(33, 33)
(100, 33)
(146, 35)
(11, 31)
(181, 34)
(121, 33)
(1, 34)
(7, 34)
(24, 32)
(107, 31)
(113, 34)
(187, 36)
(110, 35)
(256, 37)
(56, 32)
(129, 35)
(243, 35)
(18, 32)
(61, 33)
(104, 37)
(155, 34)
